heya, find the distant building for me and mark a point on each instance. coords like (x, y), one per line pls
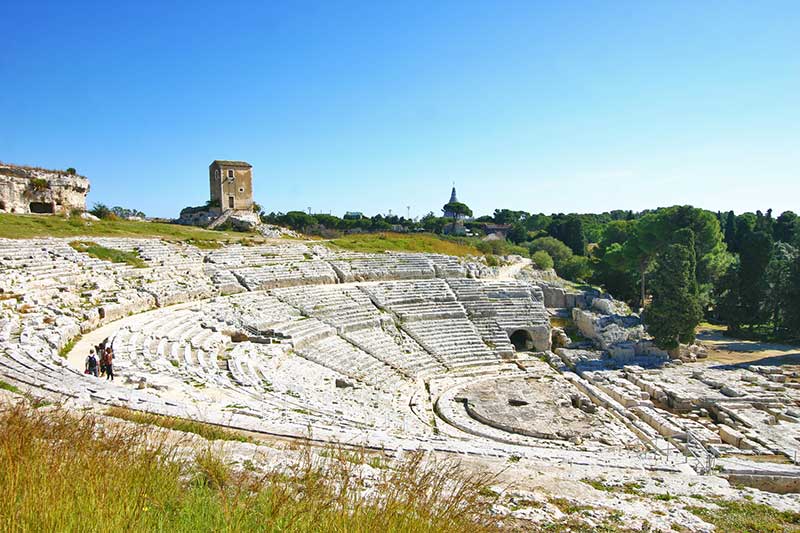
(231, 184)
(353, 215)
(498, 230)
(231, 203)
(453, 200)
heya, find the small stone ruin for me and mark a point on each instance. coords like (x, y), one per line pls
(25, 190)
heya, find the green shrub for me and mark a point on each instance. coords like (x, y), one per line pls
(557, 250)
(542, 259)
(39, 184)
(576, 268)
(101, 211)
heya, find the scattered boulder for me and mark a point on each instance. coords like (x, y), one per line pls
(343, 384)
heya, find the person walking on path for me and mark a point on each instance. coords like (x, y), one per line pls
(91, 364)
(109, 359)
(101, 359)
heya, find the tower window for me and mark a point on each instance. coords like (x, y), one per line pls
(230, 172)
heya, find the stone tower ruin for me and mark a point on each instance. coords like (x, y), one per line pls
(231, 184)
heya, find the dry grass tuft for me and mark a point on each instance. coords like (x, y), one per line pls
(59, 472)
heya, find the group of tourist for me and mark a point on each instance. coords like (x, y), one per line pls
(100, 361)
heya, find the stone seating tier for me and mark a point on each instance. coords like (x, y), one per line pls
(337, 354)
(388, 294)
(403, 354)
(236, 256)
(286, 275)
(345, 308)
(453, 341)
(375, 267)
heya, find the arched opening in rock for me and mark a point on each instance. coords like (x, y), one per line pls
(41, 207)
(521, 340)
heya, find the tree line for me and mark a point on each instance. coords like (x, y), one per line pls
(679, 264)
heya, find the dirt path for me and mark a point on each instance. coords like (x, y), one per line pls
(76, 357)
(511, 271)
(732, 351)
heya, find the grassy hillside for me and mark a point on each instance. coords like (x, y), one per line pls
(28, 226)
(404, 242)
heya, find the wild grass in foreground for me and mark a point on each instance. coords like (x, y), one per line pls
(62, 473)
(207, 431)
(404, 242)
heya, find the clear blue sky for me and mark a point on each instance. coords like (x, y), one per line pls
(563, 106)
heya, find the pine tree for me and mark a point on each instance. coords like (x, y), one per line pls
(785, 227)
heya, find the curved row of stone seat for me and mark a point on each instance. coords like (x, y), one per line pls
(237, 256)
(175, 343)
(397, 349)
(345, 308)
(389, 294)
(498, 307)
(29, 345)
(428, 311)
(336, 353)
(321, 395)
(285, 274)
(156, 252)
(454, 341)
(44, 262)
(170, 340)
(389, 266)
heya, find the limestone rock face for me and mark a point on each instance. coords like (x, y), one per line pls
(622, 336)
(244, 220)
(212, 218)
(26, 190)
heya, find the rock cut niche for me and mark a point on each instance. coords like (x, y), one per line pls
(41, 207)
(521, 340)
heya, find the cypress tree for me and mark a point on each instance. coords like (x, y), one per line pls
(792, 310)
(675, 311)
(754, 256)
(730, 231)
